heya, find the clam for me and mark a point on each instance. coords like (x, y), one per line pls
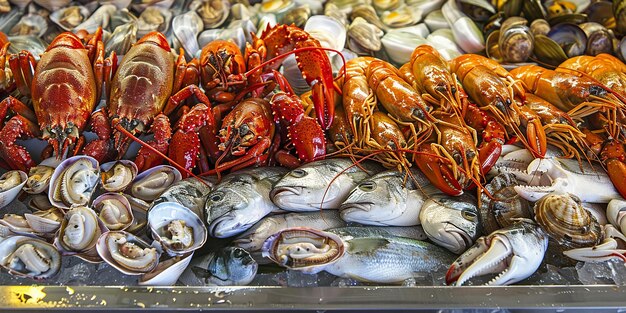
(443, 41)
(11, 183)
(31, 24)
(548, 51)
(533, 9)
(39, 202)
(240, 11)
(400, 45)
(119, 4)
(565, 220)
(33, 44)
(122, 17)
(154, 19)
(122, 38)
(466, 34)
(70, 17)
(17, 224)
(212, 12)
(185, 29)
(504, 206)
(276, 7)
(176, 227)
(100, 18)
(127, 253)
(45, 222)
(74, 181)
(265, 22)
(29, 257)
(331, 10)
(298, 16)
(401, 17)
(426, 6)
(167, 272)
(153, 182)
(599, 38)
(435, 20)
(142, 5)
(477, 10)
(79, 231)
(386, 5)
(53, 5)
(363, 37)
(368, 13)
(328, 31)
(540, 27)
(601, 12)
(114, 211)
(516, 43)
(5, 6)
(570, 37)
(39, 176)
(117, 175)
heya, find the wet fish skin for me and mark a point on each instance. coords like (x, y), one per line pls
(240, 200)
(230, 266)
(302, 189)
(189, 192)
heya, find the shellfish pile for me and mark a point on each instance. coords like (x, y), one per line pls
(339, 136)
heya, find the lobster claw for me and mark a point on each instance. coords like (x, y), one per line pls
(512, 254)
(437, 173)
(488, 153)
(536, 138)
(617, 172)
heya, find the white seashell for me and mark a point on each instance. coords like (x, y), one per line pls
(45, 222)
(40, 175)
(402, 17)
(11, 184)
(70, 17)
(119, 4)
(29, 25)
(167, 272)
(117, 175)
(435, 20)
(466, 34)
(426, 6)
(164, 215)
(330, 32)
(213, 13)
(209, 35)
(142, 5)
(267, 20)
(99, 18)
(236, 35)
(276, 7)
(420, 30)
(153, 182)
(17, 224)
(28, 257)
(153, 19)
(122, 38)
(39, 202)
(53, 5)
(316, 6)
(400, 45)
(186, 28)
(443, 41)
(127, 253)
(114, 211)
(79, 231)
(240, 11)
(74, 181)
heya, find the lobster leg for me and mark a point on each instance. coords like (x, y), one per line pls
(253, 155)
(492, 134)
(6, 81)
(100, 148)
(22, 66)
(439, 174)
(614, 155)
(185, 144)
(15, 155)
(188, 91)
(162, 133)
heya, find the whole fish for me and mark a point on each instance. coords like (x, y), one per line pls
(303, 189)
(189, 192)
(389, 198)
(230, 266)
(252, 240)
(359, 253)
(240, 200)
(451, 222)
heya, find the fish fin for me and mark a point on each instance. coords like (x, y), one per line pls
(366, 245)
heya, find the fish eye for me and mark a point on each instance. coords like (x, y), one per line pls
(216, 197)
(468, 215)
(238, 253)
(298, 173)
(367, 186)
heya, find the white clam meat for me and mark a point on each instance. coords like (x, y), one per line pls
(74, 181)
(127, 253)
(153, 182)
(29, 257)
(11, 183)
(176, 227)
(114, 211)
(116, 176)
(80, 230)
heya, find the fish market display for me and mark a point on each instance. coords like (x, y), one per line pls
(198, 142)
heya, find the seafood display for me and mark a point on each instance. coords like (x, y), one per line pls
(210, 142)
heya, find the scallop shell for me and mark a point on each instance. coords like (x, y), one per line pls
(117, 175)
(114, 211)
(504, 206)
(167, 272)
(565, 220)
(80, 173)
(153, 182)
(127, 253)
(168, 214)
(28, 257)
(11, 184)
(79, 231)
(40, 175)
(70, 17)
(279, 248)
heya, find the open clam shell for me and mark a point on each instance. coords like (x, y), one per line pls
(114, 211)
(29, 257)
(570, 37)
(185, 29)
(39, 202)
(69, 17)
(127, 253)
(53, 5)
(167, 272)
(212, 12)
(17, 224)
(153, 19)
(11, 183)
(45, 222)
(151, 183)
(291, 248)
(176, 227)
(79, 233)
(100, 18)
(74, 182)
(40, 175)
(118, 175)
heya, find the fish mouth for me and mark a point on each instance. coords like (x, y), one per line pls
(287, 197)
(226, 226)
(356, 212)
(286, 190)
(452, 238)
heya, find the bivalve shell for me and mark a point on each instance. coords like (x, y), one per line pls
(29, 257)
(177, 228)
(11, 183)
(167, 272)
(114, 211)
(39, 176)
(127, 253)
(74, 182)
(118, 175)
(153, 182)
(79, 232)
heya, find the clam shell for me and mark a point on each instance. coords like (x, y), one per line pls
(328, 31)
(121, 40)
(31, 24)
(443, 41)
(185, 29)
(17, 224)
(142, 5)
(45, 222)
(167, 272)
(119, 261)
(297, 16)
(402, 17)
(266, 21)
(11, 184)
(516, 43)
(114, 211)
(153, 182)
(570, 37)
(99, 18)
(118, 175)
(33, 44)
(363, 37)
(70, 17)
(366, 12)
(277, 8)
(212, 12)
(119, 4)
(39, 202)
(466, 33)
(40, 175)
(548, 51)
(565, 220)
(400, 45)
(477, 10)
(540, 27)
(21, 247)
(81, 237)
(83, 170)
(435, 20)
(163, 213)
(53, 5)
(154, 19)
(504, 206)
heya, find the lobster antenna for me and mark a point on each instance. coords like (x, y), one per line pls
(151, 148)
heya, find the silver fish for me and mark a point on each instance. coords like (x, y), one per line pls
(189, 192)
(387, 199)
(451, 222)
(240, 200)
(359, 253)
(252, 240)
(231, 266)
(328, 181)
